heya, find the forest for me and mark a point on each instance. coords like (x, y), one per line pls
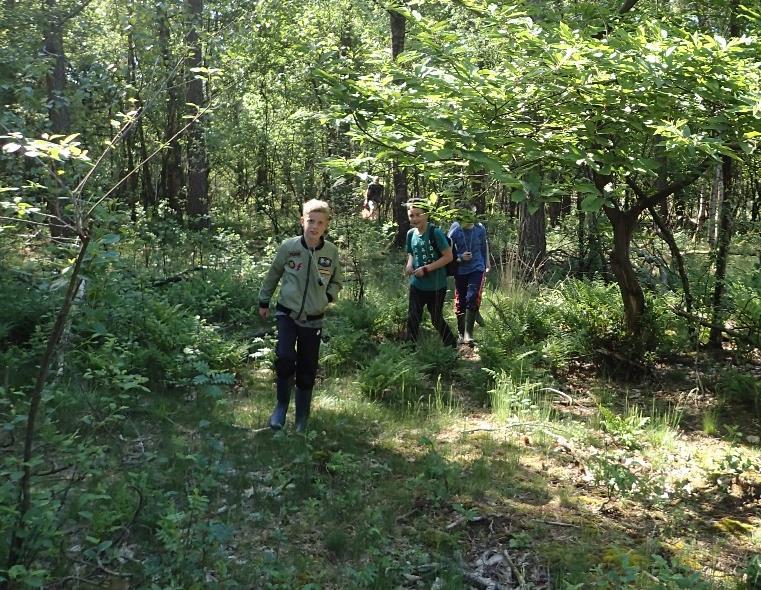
(601, 432)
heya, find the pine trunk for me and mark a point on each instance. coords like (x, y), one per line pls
(197, 206)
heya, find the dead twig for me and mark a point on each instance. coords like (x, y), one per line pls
(516, 571)
(557, 523)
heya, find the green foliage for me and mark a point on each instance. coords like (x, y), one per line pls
(394, 375)
(658, 574)
(435, 358)
(753, 573)
(438, 478)
(628, 431)
(351, 336)
(516, 321)
(512, 397)
(590, 323)
(741, 388)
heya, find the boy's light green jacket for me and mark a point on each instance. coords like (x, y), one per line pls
(310, 279)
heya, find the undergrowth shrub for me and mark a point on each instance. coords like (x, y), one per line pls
(518, 323)
(435, 358)
(353, 334)
(628, 570)
(394, 376)
(218, 295)
(740, 388)
(26, 317)
(128, 336)
(392, 322)
(513, 396)
(590, 322)
(746, 310)
(753, 573)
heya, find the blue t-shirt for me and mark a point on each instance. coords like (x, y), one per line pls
(423, 253)
(471, 240)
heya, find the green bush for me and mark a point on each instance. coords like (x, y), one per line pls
(589, 322)
(439, 360)
(516, 321)
(753, 573)
(346, 347)
(395, 375)
(740, 388)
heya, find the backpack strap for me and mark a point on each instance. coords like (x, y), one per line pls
(432, 240)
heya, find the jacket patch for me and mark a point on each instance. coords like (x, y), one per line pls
(295, 253)
(293, 265)
(324, 261)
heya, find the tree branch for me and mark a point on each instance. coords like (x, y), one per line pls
(644, 202)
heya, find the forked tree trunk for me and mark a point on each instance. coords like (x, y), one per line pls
(624, 223)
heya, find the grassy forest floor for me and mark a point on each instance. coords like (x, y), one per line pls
(600, 485)
(549, 457)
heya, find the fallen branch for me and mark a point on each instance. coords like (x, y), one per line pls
(557, 523)
(516, 571)
(707, 324)
(560, 393)
(479, 581)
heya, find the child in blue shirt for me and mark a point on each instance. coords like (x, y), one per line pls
(469, 238)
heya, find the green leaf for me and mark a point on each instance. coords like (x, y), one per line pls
(11, 147)
(592, 203)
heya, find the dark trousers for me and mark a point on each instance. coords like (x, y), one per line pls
(468, 288)
(434, 301)
(297, 352)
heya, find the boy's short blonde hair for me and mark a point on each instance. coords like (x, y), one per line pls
(317, 206)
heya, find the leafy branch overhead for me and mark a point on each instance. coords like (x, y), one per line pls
(532, 95)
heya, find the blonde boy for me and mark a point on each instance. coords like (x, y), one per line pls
(307, 266)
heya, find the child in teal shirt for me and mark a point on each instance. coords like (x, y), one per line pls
(427, 271)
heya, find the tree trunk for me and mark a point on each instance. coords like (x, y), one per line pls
(722, 252)
(478, 186)
(755, 195)
(400, 200)
(532, 239)
(137, 140)
(714, 205)
(197, 206)
(702, 213)
(171, 178)
(624, 223)
(58, 107)
(398, 32)
(581, 236)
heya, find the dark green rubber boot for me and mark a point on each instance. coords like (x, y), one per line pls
(303, 405)
(277, 420)
(470, 320)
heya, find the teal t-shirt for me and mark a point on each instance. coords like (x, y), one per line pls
(423, 253)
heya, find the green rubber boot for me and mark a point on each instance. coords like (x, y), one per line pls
(470, 320)
(277, 420)
(303, 405)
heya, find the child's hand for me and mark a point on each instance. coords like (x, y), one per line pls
(264, 312)
(408, 270)
(421, 272)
